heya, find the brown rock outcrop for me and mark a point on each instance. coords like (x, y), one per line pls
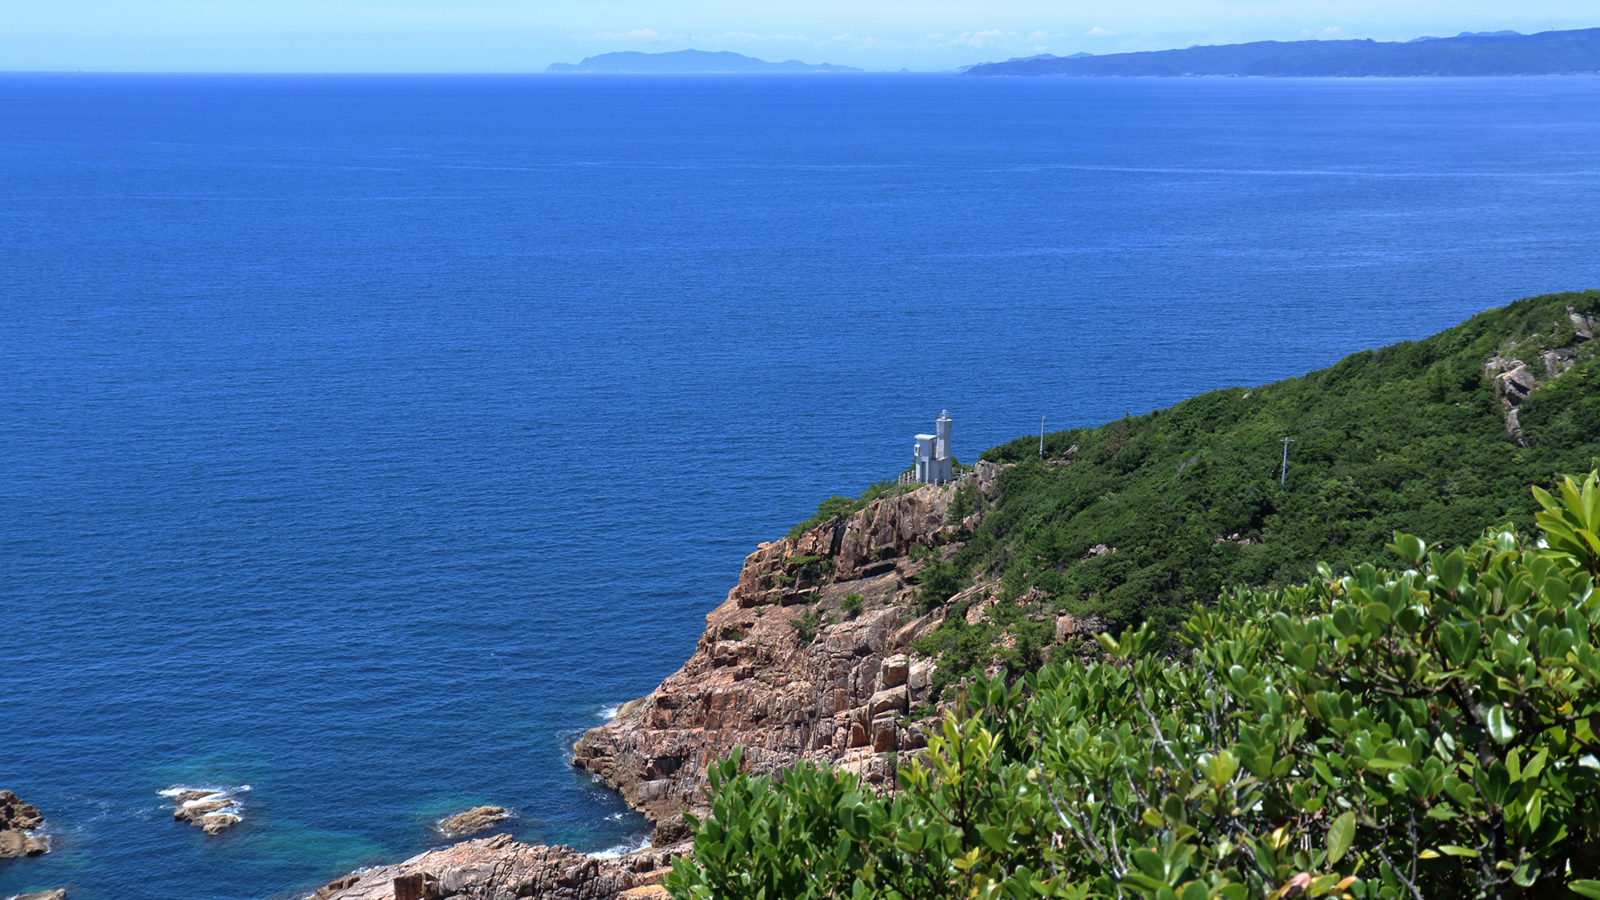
(18, 820)
(1514, 380)
(498, 868)
(473, 820)
(755, 681)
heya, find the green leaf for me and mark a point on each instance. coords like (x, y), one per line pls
(1220, 767)
(1389, 765)
(1500, 728)
(1410, 548)
(1340, 834)
(1451, 570)
(1589, 889)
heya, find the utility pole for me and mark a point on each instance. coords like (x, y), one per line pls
(1041, 437)
(1284, 478)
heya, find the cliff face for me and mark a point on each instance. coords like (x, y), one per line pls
(787, 668)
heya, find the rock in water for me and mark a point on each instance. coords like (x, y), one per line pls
(195, 809)
(473, 820)
(57, 894)
(212, 811)
(17, 822)
(217, 822)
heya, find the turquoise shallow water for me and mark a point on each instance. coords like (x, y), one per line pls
(363, 439)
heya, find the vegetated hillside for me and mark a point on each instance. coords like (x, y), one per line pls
(1421, 733)
(1546, 53)
(1140, 518)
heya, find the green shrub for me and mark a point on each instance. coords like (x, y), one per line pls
(852, 604)
(806, 625)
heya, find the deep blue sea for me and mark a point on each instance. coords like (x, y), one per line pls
(363, 438)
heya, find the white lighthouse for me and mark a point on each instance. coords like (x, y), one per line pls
(934, 464)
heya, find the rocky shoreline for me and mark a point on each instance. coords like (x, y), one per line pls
(809, 658)
(498, 868)
(19, 823)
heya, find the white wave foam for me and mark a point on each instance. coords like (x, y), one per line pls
(213, 792)
(607, 713)
(622, 849)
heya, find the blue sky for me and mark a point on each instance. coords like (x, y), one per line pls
(527, 35)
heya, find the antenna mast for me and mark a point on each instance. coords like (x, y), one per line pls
(1284, 478)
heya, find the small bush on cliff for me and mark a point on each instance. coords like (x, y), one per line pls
(806, 625)
(1431, 732)
(838, 506)
(852, 604)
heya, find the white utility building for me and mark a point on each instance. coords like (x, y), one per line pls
(934, 463)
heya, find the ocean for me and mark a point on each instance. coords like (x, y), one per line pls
(365, 439)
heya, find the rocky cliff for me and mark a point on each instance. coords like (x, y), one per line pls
(809, 657)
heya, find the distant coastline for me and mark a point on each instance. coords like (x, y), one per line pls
(689, 62)
(1497, 53)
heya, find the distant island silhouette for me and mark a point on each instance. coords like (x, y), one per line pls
(689, 62)
(1481, 53)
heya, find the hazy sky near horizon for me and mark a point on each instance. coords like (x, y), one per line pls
(527, 35)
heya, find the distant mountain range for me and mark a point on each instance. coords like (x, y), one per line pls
(1028, 59)
(688, 62)
(1483, 53)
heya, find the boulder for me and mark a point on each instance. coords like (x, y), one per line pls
(16, 815)
(57, 894)
(894, 700)
(473, 820)
(893, 672)
(216, 822)
(198, 809)
(919, 678)
(884, 734)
